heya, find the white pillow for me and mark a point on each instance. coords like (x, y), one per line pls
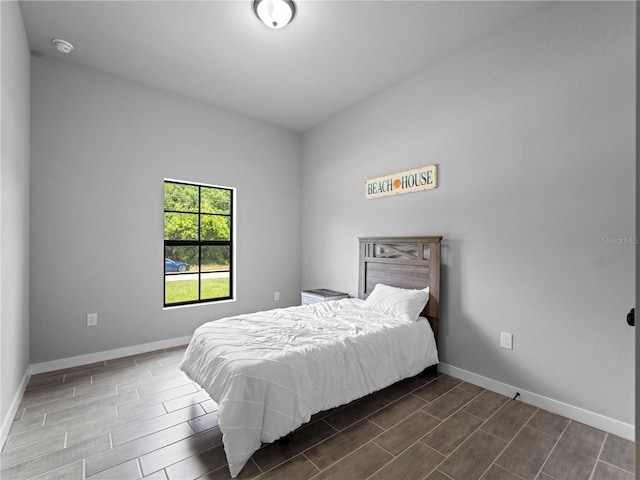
(397, 302)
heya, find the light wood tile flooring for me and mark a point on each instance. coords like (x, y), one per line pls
(141, 417)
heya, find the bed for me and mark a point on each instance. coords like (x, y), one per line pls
(270, 371)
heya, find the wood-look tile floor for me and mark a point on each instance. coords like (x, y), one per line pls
(140, 417)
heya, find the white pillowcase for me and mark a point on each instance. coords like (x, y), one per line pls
(397, 302)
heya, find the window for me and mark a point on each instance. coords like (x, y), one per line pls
(198, 243)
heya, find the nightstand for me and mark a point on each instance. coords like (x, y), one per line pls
(321, 295)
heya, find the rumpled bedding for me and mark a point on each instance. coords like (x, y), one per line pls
(270, 371)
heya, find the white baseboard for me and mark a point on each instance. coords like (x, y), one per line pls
(107, 355)
(616, 427)
(13, 408)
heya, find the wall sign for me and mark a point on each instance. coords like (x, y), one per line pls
(423, 178)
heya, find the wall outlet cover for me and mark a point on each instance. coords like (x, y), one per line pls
(506, 340)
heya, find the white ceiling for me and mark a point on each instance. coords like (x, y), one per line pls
(333, 55)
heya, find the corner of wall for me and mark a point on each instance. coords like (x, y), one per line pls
(14, 210)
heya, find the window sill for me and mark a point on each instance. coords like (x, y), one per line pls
(201, 304)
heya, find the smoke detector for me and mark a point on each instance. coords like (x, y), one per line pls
(62, 45)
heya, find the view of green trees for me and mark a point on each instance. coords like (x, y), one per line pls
(198, 213)
(197, 231)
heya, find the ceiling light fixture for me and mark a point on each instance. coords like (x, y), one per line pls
(62, 45)
(274, 13)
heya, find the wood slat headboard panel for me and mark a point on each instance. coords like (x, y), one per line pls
(405, 262)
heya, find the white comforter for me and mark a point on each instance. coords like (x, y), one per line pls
(270, 371)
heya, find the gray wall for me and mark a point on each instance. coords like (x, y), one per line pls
(637, 302)
(14, 204)
(101, 147)
(533, 132)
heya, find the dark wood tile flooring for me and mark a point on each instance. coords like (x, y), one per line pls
(140, 417)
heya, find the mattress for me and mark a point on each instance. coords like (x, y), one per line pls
(270, 371)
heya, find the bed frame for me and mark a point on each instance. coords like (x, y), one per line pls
(404, 262)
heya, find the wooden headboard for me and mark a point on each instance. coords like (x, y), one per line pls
(404, 262)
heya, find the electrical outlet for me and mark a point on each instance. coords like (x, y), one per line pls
(276, 296)
(92, 319)
(506, 340)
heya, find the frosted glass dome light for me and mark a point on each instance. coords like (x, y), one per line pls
(274, 13)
